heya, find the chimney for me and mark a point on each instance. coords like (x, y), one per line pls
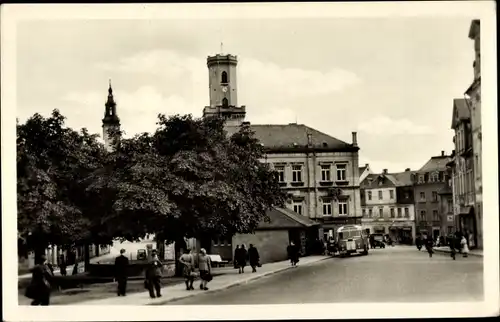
(354, 138)
(407, 170)
(245, 123)
(367, 165)
(442, 153)
(385, 171)
(309, 140)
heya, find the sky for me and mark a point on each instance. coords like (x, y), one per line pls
(392, 80)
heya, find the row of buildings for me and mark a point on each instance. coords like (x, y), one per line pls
(328, 188)
(465, 166)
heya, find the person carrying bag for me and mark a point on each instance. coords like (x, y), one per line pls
(205, 266)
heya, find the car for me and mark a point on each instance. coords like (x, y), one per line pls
(377, 240)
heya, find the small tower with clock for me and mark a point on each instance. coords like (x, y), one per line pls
(223, 89)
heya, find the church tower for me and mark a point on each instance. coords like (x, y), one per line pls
(223, 89)
(111, 121)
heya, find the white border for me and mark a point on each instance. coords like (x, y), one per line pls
(485, 11)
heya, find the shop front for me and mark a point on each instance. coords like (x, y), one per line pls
(468, 225)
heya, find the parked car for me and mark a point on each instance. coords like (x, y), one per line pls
(377, 240)
(141, 254)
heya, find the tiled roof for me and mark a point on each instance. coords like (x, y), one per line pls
(403, 178)
(399, 179)
(372, 181)
(435, 164)
(283, 218)
(460, 110)
(289, 135)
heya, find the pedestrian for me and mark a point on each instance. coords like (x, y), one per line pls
(293, 253)
(121, 266)
(253, 258)
(429, 243)
(188, 270)
(153, 276)
(451, 243)
(75, 269)
(40, 286)
(242, 259)
(235, 257)
(372, 241)
(418, 242)
(62, 265)
(205, 267)
(464, 246)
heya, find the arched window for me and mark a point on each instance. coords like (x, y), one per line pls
(225, 103)
(224, 77)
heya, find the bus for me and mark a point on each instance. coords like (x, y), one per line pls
(352, 239)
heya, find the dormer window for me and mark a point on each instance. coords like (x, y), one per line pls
(224, 78)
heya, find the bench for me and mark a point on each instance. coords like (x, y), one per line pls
(217, 260)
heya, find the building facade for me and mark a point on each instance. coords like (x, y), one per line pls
(387, 206)
(320, 173)
(428, 182)
(474, 95)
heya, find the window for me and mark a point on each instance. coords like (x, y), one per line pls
(341, 169)
(400, 212)
(280, 172)
(225, 102)
(422, 215)
(421, 179)
(370, 213)
(392, 213)
(381, 212)
(450, 230)
(327, 208)
(422, 196)
(435, 215)
(363, 211)
(297, 173)
(297, 207)
(342, 208)
(380, 195)
(325, 173)
(450, 205)
(407, 212)
(391, 194)
(434, 196)
(224, 77)
(434, 177)
(369, 195)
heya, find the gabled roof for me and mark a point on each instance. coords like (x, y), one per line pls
(461, 112)
(436, 164)
(362, 169)
(281, 136)
(283, 218)
(373, 181)
(404, 178)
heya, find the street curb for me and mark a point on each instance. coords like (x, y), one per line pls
(253, 278)
(449, 251)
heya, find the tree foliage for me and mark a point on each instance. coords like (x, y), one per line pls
(187, 179)
(52, 160)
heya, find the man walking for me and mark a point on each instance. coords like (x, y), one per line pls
(253, 257)
(293, 254)
(153, 276)
(121, 264)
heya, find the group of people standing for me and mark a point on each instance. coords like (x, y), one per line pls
(241, 255)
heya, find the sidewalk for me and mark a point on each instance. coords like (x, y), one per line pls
(446, 249)
(229, 279)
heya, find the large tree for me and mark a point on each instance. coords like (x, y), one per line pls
(52, 161)
(187, 179)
